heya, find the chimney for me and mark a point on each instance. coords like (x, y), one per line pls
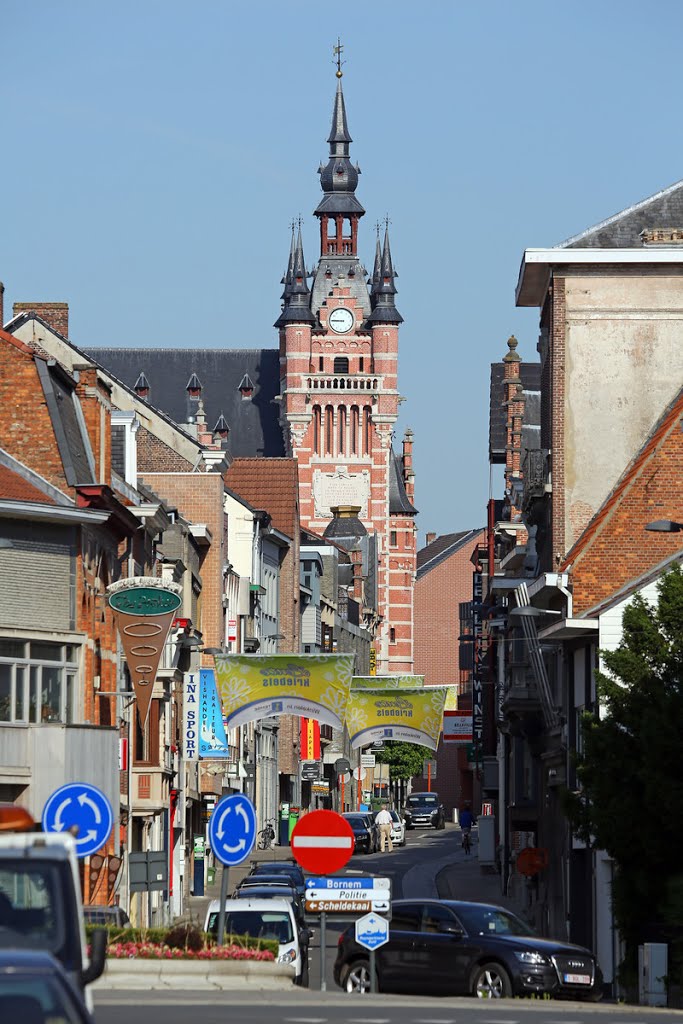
(2, 313)
(430, 538)
(55, 314)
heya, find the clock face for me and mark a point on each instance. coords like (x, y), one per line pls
(341, 320)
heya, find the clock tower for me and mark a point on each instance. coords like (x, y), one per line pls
(339, 392)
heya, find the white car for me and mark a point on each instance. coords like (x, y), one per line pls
(398, 829)
(264, 919)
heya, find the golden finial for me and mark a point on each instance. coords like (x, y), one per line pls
(337, 51)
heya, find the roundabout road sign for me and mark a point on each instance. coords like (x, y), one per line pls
(83, 807)
(322, 842)
(232, 829)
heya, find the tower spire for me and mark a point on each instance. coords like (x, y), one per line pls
(297, 308)
(384, 310)
(287, 279)
(376, 270)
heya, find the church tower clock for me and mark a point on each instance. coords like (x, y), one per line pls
(339, 391)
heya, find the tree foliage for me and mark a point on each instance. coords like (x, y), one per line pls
(631, 802)
(404, 759)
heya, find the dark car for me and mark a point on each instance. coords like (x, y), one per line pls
(253, 888)
(34, 988)
(448, 947)
(364, 838)
(424, 810)
(281, 867)
(106, 916)
(374, 828)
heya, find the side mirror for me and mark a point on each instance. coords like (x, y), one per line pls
(452, 929)
(98, 951)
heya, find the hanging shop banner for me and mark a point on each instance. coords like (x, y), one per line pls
(414, 716)
(310, 739)
(191, 696)
(387, 682)
(144, 608)
(254, 686)
(457, 727)
(212, 739)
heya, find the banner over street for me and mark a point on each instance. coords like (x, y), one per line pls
(414, 716)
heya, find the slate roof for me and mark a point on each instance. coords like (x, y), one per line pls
(399, 502)
(531, 382)
(253, 422)
(442, 548)
(622, 231)
(271, 485)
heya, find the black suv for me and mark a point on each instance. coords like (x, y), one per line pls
(424, 810)
(449, 947)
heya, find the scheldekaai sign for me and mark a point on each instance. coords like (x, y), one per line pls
(144, 608)
(315, 686)
(414, 716)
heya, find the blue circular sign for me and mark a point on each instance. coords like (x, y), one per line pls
(83, 808)
(232, 829)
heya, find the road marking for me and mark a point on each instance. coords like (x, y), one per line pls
(306, 1020)
(434, 1020)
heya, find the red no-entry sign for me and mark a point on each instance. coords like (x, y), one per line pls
(322, 842)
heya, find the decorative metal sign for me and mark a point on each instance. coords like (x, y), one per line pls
(144, 608)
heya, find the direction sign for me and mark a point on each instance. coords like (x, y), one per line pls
(372, 931)
(82, 807)
(310, 771)
(347, 895)
(368, 760)
(322, 841)
(232, 829)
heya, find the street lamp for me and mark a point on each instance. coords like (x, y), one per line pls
(664, 526)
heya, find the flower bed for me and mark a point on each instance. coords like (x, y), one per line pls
(155, 951)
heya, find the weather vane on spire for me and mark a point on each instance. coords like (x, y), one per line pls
(337, 51)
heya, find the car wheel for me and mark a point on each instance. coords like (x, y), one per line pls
(491, 981)
(356, 977)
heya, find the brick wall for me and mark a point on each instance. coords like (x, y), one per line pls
(154, 456)
(56, 314)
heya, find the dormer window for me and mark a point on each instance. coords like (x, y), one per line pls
(194, 387)
(246, 387)
(141, 386)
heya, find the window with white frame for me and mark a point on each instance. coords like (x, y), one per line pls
(37, 681)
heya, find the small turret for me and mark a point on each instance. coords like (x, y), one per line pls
(297, 308)
(384, 308)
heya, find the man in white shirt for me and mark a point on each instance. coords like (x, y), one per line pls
(384, 823)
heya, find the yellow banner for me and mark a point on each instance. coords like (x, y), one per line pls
(254, 686)
(414, 716)
(396, 682)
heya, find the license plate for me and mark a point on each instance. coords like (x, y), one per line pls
(577, 979)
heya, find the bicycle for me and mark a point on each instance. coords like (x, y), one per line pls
(466, 841)
(266, 836)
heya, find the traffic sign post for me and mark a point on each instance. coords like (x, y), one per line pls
(83, 809)
(322, 842)
(372, 931)
(350, 895)
(232, 833)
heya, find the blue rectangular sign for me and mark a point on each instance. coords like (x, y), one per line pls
(350, 882)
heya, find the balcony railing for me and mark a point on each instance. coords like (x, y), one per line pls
(343, 382)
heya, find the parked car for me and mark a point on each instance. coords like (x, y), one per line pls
(454, 948)
(270, 891)
(35, 987)
(374, 828)
(281, 867)
(424, 810)
(364, 836)
(106, 915)
(264, 919)
(398, 829)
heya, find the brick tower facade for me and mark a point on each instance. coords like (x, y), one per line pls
(339, 393)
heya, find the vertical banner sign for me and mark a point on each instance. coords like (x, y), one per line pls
(478, 666)
(212, 739)
(310, 740)
(373, 661)
(191, 716)
(144, 608)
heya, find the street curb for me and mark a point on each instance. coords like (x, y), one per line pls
(186, 974)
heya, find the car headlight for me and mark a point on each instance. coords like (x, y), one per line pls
(287, 958)
(529, 957)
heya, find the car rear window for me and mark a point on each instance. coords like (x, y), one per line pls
(259, 924)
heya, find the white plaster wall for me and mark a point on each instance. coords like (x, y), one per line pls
(240, 536)
(623, 365)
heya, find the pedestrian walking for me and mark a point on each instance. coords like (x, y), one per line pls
(384, 823)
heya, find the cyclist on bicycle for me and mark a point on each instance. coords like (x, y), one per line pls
(466, 821)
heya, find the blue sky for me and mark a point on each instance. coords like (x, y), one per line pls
(156, 152)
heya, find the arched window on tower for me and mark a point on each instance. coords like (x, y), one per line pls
(317, 439)
(355, 427)
(341, 430)
(329, 429)
(341, 364)
(367, 421)
(347, 246)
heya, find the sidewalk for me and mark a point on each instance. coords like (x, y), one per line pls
(465, 879)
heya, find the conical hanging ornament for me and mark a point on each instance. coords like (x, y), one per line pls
(144, 609)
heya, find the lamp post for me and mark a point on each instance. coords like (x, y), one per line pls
(129, 779)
